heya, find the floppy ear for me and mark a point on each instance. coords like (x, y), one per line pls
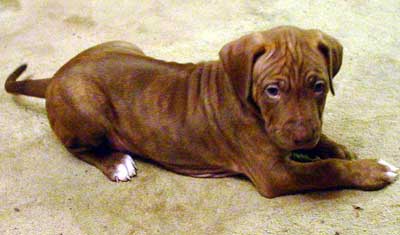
(332, 51)
(238, 58)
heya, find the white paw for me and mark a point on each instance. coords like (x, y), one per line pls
(125, 170)
(391, 176)
(391, 173)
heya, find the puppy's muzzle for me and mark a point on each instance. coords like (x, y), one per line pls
(301, 134)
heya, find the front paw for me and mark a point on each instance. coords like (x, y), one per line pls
(372, 174)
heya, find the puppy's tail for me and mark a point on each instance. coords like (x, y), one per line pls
(36, 88)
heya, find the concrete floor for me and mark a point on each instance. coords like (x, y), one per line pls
(44, 190)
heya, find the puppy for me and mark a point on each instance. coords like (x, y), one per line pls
(243, 114)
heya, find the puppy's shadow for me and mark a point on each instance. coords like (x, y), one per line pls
(35, 105)
(322, 195)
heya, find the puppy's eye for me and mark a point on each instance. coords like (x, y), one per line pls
(319, 87)
(272, 91)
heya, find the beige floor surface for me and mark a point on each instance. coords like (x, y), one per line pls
(44, 190)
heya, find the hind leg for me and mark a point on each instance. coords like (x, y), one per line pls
(80, 115)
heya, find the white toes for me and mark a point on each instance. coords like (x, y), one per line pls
(388, 165)
(125, 170)
(391, 173)
(392, 176)
(121, 173)
(130, 165)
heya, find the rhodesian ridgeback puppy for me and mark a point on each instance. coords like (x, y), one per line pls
(243, 114)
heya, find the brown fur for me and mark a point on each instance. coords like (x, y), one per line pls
(209, 119)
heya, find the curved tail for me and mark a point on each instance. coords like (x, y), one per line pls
(36, 88)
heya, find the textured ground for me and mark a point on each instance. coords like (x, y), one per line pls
(44, 190)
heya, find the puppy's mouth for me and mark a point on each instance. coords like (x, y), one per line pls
(289, 143)
(306, 146)
(295, 147)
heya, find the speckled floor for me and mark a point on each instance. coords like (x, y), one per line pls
(44, 190)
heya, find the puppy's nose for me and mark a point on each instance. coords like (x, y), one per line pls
(302, 132)
(302, 135)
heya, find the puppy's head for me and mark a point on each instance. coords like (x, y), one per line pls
(285, 73)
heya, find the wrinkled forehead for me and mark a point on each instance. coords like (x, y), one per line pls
(290, 53)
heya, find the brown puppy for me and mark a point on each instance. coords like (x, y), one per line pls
(243, 114)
